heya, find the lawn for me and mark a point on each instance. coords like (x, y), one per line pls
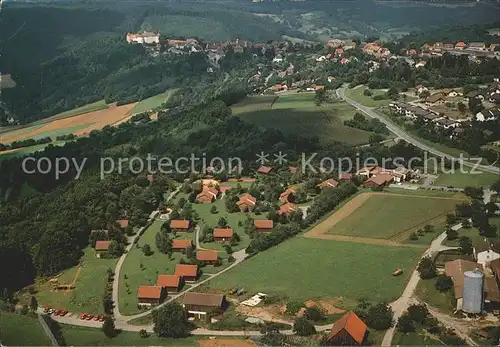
(211, 220)
(152, 102)
(386, 216)
(443, 301)
(303, 268)
(89, 287)
(152, 266)
(464, 179)
(473, 234)
(81, 336)
(357, 95)
(416, 338)
(18, 330)
(298, 114)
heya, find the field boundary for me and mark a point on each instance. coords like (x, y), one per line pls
(321, 230)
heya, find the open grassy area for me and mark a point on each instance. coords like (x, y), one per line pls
(89, 286)
(386, 216)
(416, 338)
(464, 179)
(357, 95)
(81, 336)
(211, 220)
(19, 152)
(132, 275)
(473, 234)
(320, 268)
(99, 105)
(19, 330)
(298, 114)
(152, 102)
(443, 301)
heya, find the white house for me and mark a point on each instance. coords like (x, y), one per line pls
(420, 88)
(320, 58)
(144, 37)
(487, 115)
(278, 59)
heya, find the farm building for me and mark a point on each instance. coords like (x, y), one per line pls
(349, 330)
(171, 283)
(180, 245)
(378, 181)
(456, 270)
(265, 170)
(123, 223)
(289, 194)
(101, 247)
(203, 306)
(179, 225)
(329, 183)
(188, 272)
(207, 257)
(223, 234)
(150, 295)
(263, 225)
(485, 252)
(207, 195)
(287, 209)
(246, 202)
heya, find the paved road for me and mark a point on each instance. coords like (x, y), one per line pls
(402, 134)
(131, 240)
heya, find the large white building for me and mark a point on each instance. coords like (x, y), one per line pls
(144, 37)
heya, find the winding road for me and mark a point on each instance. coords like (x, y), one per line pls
(405, 136)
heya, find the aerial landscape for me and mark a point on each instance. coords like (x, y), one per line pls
(241, 173)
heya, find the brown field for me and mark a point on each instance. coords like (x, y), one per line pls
(96, 120)
(226, 343)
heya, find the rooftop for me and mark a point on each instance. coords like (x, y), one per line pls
(168, 281)
(202, 299)
(149, 292)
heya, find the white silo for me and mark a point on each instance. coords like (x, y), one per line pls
(473, 292)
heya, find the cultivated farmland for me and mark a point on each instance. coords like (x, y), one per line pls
(318, 268)
(385, 216)
(77, 125)
(298, 114)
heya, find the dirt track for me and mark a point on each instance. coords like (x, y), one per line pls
(321, 230)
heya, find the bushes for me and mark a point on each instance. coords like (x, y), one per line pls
(303, 327)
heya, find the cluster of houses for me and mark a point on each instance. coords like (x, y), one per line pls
(416, 112)
(102, 246)
(486, 256)
(376, 177)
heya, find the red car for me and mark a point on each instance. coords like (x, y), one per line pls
(56, 312)
(63, 312)
(83, 316)
(101, 318)
(46, 309)
(89, 317)
(96, 318)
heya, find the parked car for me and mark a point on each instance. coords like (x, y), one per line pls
(51, 311)
(57, 312)
(46, 309)
(83, 316)
(89, 316)
(63, 312)
(101, 318)
(96, 318)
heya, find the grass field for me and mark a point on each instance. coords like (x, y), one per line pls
(357, 95)
(89, 287)
(18, 330)
(427, 292)
(464, 179)
(209, 219)
(416, 338)
(96, 106)
(152, 102)
(298, 114)
(18, 152)
(152, 266)
(81, 336)
(387, 215)
(318, 268)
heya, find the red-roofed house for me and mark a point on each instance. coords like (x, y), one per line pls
(179, 225)
(101, 247)
(287, 209)
(224, 189)
(378, 181)
(123, 223)
(289, 194)
(349, 330)
(179, 245)
(345, 176)
(263, 225)
(207, 256)
(460, 45)
(246, 202)
(150, 178)
(171, 283)
(329, 183)
(150, 295)
(223, 234)
(188, 272)
(292, 169)
(265, 170)
(207, 195)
